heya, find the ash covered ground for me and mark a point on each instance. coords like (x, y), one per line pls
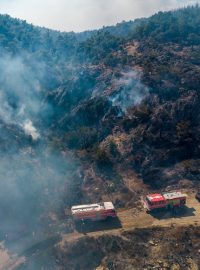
(102, 115)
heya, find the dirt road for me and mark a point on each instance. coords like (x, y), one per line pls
(129, 220)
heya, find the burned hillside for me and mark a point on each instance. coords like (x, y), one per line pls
(106, 115)
(157, 248)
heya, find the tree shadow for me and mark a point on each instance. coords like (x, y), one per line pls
(94, 226)
(173, 213)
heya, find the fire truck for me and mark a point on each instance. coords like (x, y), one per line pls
(170, 200)
(93, 212)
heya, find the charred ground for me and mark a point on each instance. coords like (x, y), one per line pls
(116, 114)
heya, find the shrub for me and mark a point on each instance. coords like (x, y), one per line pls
(82, 138)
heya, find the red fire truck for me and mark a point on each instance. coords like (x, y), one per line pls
(168, 200)
(93, 212)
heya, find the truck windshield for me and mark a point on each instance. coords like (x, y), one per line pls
(148, 201)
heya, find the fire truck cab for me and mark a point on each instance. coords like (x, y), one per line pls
(168, 200)
(154, 201)
(93, 212)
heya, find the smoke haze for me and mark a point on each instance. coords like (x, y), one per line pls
(131, 90)
(20, 96)
(35, 177)
(80, 15)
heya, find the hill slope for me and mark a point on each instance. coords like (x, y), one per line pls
(102, 115)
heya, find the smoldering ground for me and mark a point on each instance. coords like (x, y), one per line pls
(37, 185)
(131, 91)
(33, 184)
(20, 88)
(36, 179)
(23, 83)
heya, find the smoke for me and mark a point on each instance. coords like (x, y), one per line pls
(33, 184)
(31, 130)
(79, 15)
(35, 179)
(131, 90)
(20, 91)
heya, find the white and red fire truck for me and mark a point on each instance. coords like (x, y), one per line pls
(168, 200)
(93, 212)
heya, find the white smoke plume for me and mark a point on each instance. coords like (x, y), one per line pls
(131, 90)
(31, 130)
(20, 90)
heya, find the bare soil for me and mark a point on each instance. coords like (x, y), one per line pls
(115, 244)
(129, 219)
